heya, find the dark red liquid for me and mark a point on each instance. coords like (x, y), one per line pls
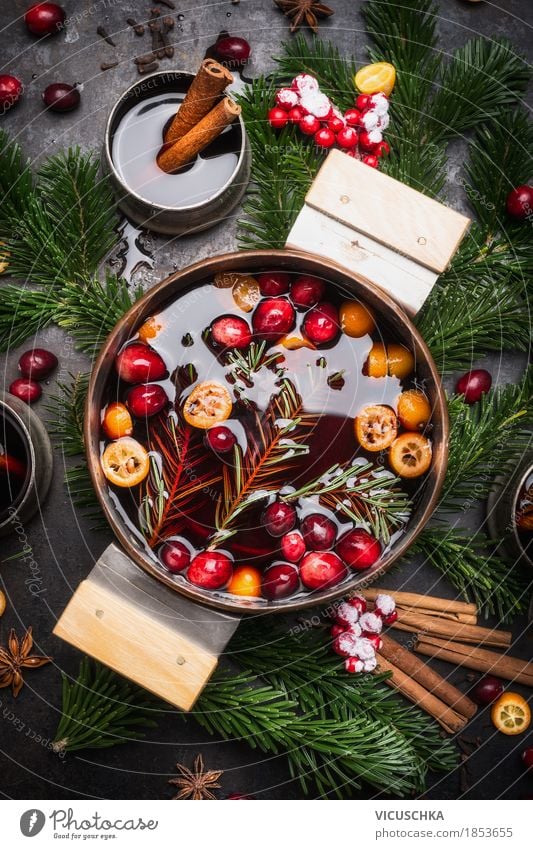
(14, 465)
(524, 515)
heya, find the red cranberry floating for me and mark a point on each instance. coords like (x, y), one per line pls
(276, 283)
(321, 324)
(280, 581)
(292, 546)
(231, 331)
(175, 555)
(352, 117)
(309, 125)
(320, 570)
(382, 149)
(324, 137)
(487, 690)
(519, 203)
(210, 570)
(365, 143)
(336, 631)
(273, 318)
(358, 549)
(279, 518)
(306, 291)
(61, 97)
(371, 160)
(37, 363)
(146, 400)
(10, 91)
(364, 102)
(527, 757)
(25, 389)
(473, 385)
(295, 114)
(138, 363)
(277, 117)
(347, 138)
(44, 18)
(319, 532)
(220, 439)
(335, 124)
(233, 49)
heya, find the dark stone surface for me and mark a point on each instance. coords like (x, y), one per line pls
(64, 546)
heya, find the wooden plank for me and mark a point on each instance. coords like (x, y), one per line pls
(126, 638)
(388, 211)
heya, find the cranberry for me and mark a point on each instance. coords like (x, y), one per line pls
(292, 546)
(365, 143)
(306, 291)
(210, 570)
(10, 91)
(309, 125)
(335, 124)
(520, 203)
(358, 602)
(138, 363)
(287, 99)
(352, 117)
(364, 102)
(37, 363)
(474, 384)
(296, 114)
(371, 160)
(175, 555)
(279, 518)
(220, 439)
(347, 138)
(336, 631)
(146, 400)
(273, 318)
(527, 757)
(321, 324)
(280, 581)
(352, 665)
(231, 331)
(233, 49)
(44, 18)
(25, 389)
(61, 97)
(358, 549)
(319, 532)
(487, 690)
(391, 618)
(324, 137)
(320, 570)
(375, 639)
(382, 149)
(277, 118)
(275, 283)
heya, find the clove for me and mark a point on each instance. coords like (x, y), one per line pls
(167, 25)
(138, 29)
(157, 45)
(106, 66)
(103, 33)
(148, 69)
(145, 59)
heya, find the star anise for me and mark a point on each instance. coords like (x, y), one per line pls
(303, 12)
(17, 657)
(195, 783)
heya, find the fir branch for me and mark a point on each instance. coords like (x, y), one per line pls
(322, 60)
(100, 710)
(23, 312)
(82, 495)
(403, 34)
(68, 409)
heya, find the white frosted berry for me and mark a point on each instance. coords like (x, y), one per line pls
(346, 614)
(384, 122)
(347, 643)
(371, 623)
(316, 103)
(375, 136)
(364, 649)
(385, 604)
(370, 120)
(380, 104)
(305, 82)
(287, 98)
(370, 665)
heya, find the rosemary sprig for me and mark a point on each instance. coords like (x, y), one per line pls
(242, 366)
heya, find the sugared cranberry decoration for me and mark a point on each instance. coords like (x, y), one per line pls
(277, 118)
(358, 549)
(296, 114)
(487, 690)
(220, 439)
(371, 160)
(273, 318)
(519, 203)
(146, 400)
(336, 630)
(321, 324)
(233, 50)
(364, 102)
(352, 665)
(319, 532)
(280, 581)
(279, 518)
(365, 142)
(37, 363)
(335, 124)
(231, 331)
(10, 91)
(347, 138)
(474, 384)
(382, 149)
(292, 546)
(352, 117)
(61, 97)
(527, 757)
(391, 618)
(27, 390)
(210, 570)
(275, 283)
(320, 570)
(44, 18)
(358, 602)
(306, 291)
(309, 125)
(138, 363)
(175, 555)
(324, 137)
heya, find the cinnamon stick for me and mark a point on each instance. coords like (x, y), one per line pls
(441, 627)
(501, 665)
(446, 716)
(174, 156)
(427, 677)
(466, 618)
(428, 602)
(203, 93)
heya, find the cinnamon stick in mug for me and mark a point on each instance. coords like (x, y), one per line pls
(203, 93)
(174, 156)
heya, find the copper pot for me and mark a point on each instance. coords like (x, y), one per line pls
(255, 261)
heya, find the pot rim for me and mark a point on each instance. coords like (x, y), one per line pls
(201, 270)
(120, 180)
(29, 483)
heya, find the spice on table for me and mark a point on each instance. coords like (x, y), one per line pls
(106, 66)
(304, 12)
(103, 33)
(488, 662)
(148, 69)
(138, 29)
(16, 657)
(196, 784)
(168, 3)
(167, 25)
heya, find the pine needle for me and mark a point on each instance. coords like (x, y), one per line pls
(68, 410)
